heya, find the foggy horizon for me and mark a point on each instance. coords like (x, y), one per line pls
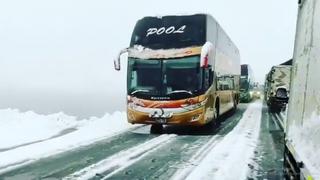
(58, 56)
(89, 105)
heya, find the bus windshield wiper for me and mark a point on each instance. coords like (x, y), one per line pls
(139, 90)
(180, 91)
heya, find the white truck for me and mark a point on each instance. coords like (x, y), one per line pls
(302, 152)
(277, 87)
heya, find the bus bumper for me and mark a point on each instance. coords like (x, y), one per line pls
(245, 97)
(194, 117)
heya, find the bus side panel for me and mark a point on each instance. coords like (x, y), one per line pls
(227, 56)
(227, 68)
(212, 31)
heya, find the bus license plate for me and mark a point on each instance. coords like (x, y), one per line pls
(161, 120)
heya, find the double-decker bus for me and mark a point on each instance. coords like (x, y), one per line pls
(182, 70)
(246, 83)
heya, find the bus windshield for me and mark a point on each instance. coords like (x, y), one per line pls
(244, 83)
(169, 78)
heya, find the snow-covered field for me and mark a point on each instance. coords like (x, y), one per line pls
(26, 136)
(17, 128)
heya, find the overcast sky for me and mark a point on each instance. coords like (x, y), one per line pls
(58, 55)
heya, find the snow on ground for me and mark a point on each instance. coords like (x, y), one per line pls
(23, 128)
(231, 157)
(17, 128)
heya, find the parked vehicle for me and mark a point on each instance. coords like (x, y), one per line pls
(182, 70)
(302, 152)
(277, 87)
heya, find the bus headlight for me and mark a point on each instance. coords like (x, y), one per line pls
(195, 118)
(191, 107)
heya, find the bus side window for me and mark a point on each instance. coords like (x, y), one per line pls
(226, 87)
(221, 83)
(231, 84)
(218, 83)
(225, 83)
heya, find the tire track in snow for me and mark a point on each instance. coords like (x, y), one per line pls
(279, 120)
(63, 161)
(167, 160)
(121, 160)
(229, 157)
(268, 161)
(196, 158)
(61, 133)
(162, 163)
(25, 157)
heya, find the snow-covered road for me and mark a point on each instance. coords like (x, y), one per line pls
(121, 160)
(96, 150)
(231, 153)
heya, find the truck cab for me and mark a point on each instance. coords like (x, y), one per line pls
(277, 87)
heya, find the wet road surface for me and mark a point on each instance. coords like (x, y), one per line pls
(268, 161)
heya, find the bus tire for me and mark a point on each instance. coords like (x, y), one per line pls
(217, 110)
(214, 121)
(235, 104)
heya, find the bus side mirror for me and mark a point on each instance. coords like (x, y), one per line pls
(116, 62)
(210, 77)
(269, 78)
(206, 54)
(206, 78)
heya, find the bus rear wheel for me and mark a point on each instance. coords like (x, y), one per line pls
(156, 129)
(215, 121)
(235, 104)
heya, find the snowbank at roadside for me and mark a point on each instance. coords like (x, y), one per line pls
(18, 128)
(25, 128)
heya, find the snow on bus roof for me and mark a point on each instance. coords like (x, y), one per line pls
(160, 16)
(141, 52)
